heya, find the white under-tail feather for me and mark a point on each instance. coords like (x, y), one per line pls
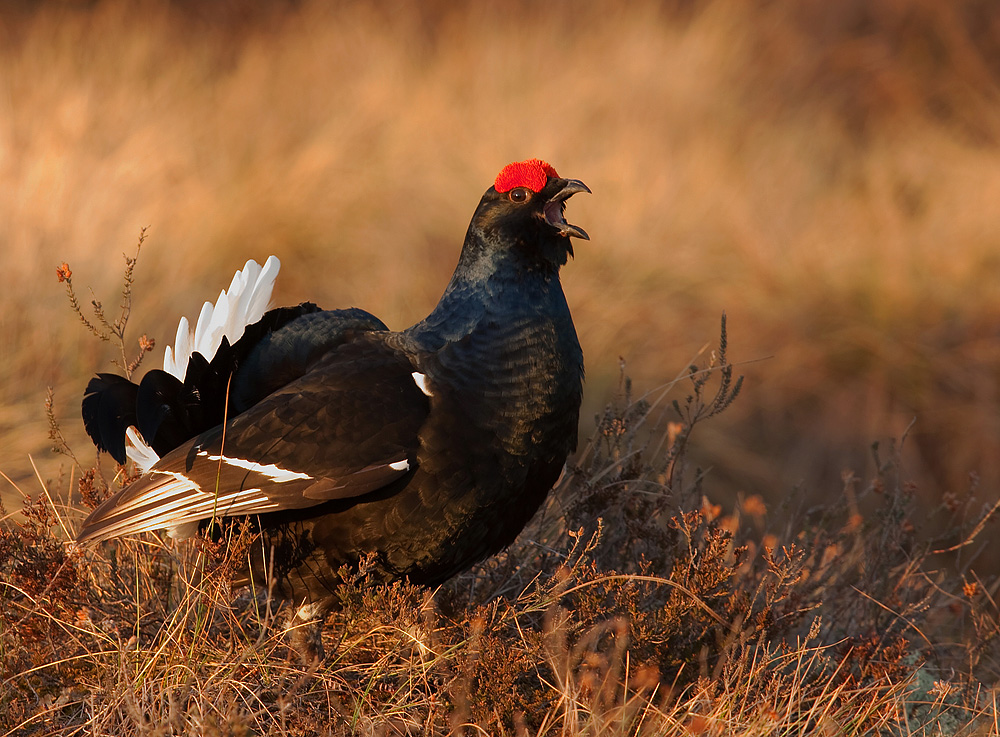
(243, 304)
(138, 450)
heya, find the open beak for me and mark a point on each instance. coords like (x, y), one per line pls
(556, 205)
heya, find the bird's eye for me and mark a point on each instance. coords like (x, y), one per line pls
(519, 194)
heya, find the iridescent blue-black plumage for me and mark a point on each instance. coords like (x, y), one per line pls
(428, 448)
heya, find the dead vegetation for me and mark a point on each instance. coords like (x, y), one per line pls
(827, 174)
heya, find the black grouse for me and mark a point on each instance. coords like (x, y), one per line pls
(425, 450)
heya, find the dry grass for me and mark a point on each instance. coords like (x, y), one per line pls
(828, 176)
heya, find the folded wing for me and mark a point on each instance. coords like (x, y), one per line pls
(345, 429)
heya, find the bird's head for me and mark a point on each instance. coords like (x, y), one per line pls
(522, 213)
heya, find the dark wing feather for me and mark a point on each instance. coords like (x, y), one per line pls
(348, 427)
(269, 356)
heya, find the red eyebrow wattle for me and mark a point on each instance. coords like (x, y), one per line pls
(533, 174)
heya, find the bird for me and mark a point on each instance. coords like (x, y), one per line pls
(420, 452)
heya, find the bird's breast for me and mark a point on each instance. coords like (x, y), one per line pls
(511, 388)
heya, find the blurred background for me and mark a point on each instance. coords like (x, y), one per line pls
(826, 173)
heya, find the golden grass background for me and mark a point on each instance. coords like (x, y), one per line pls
(828, 174)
